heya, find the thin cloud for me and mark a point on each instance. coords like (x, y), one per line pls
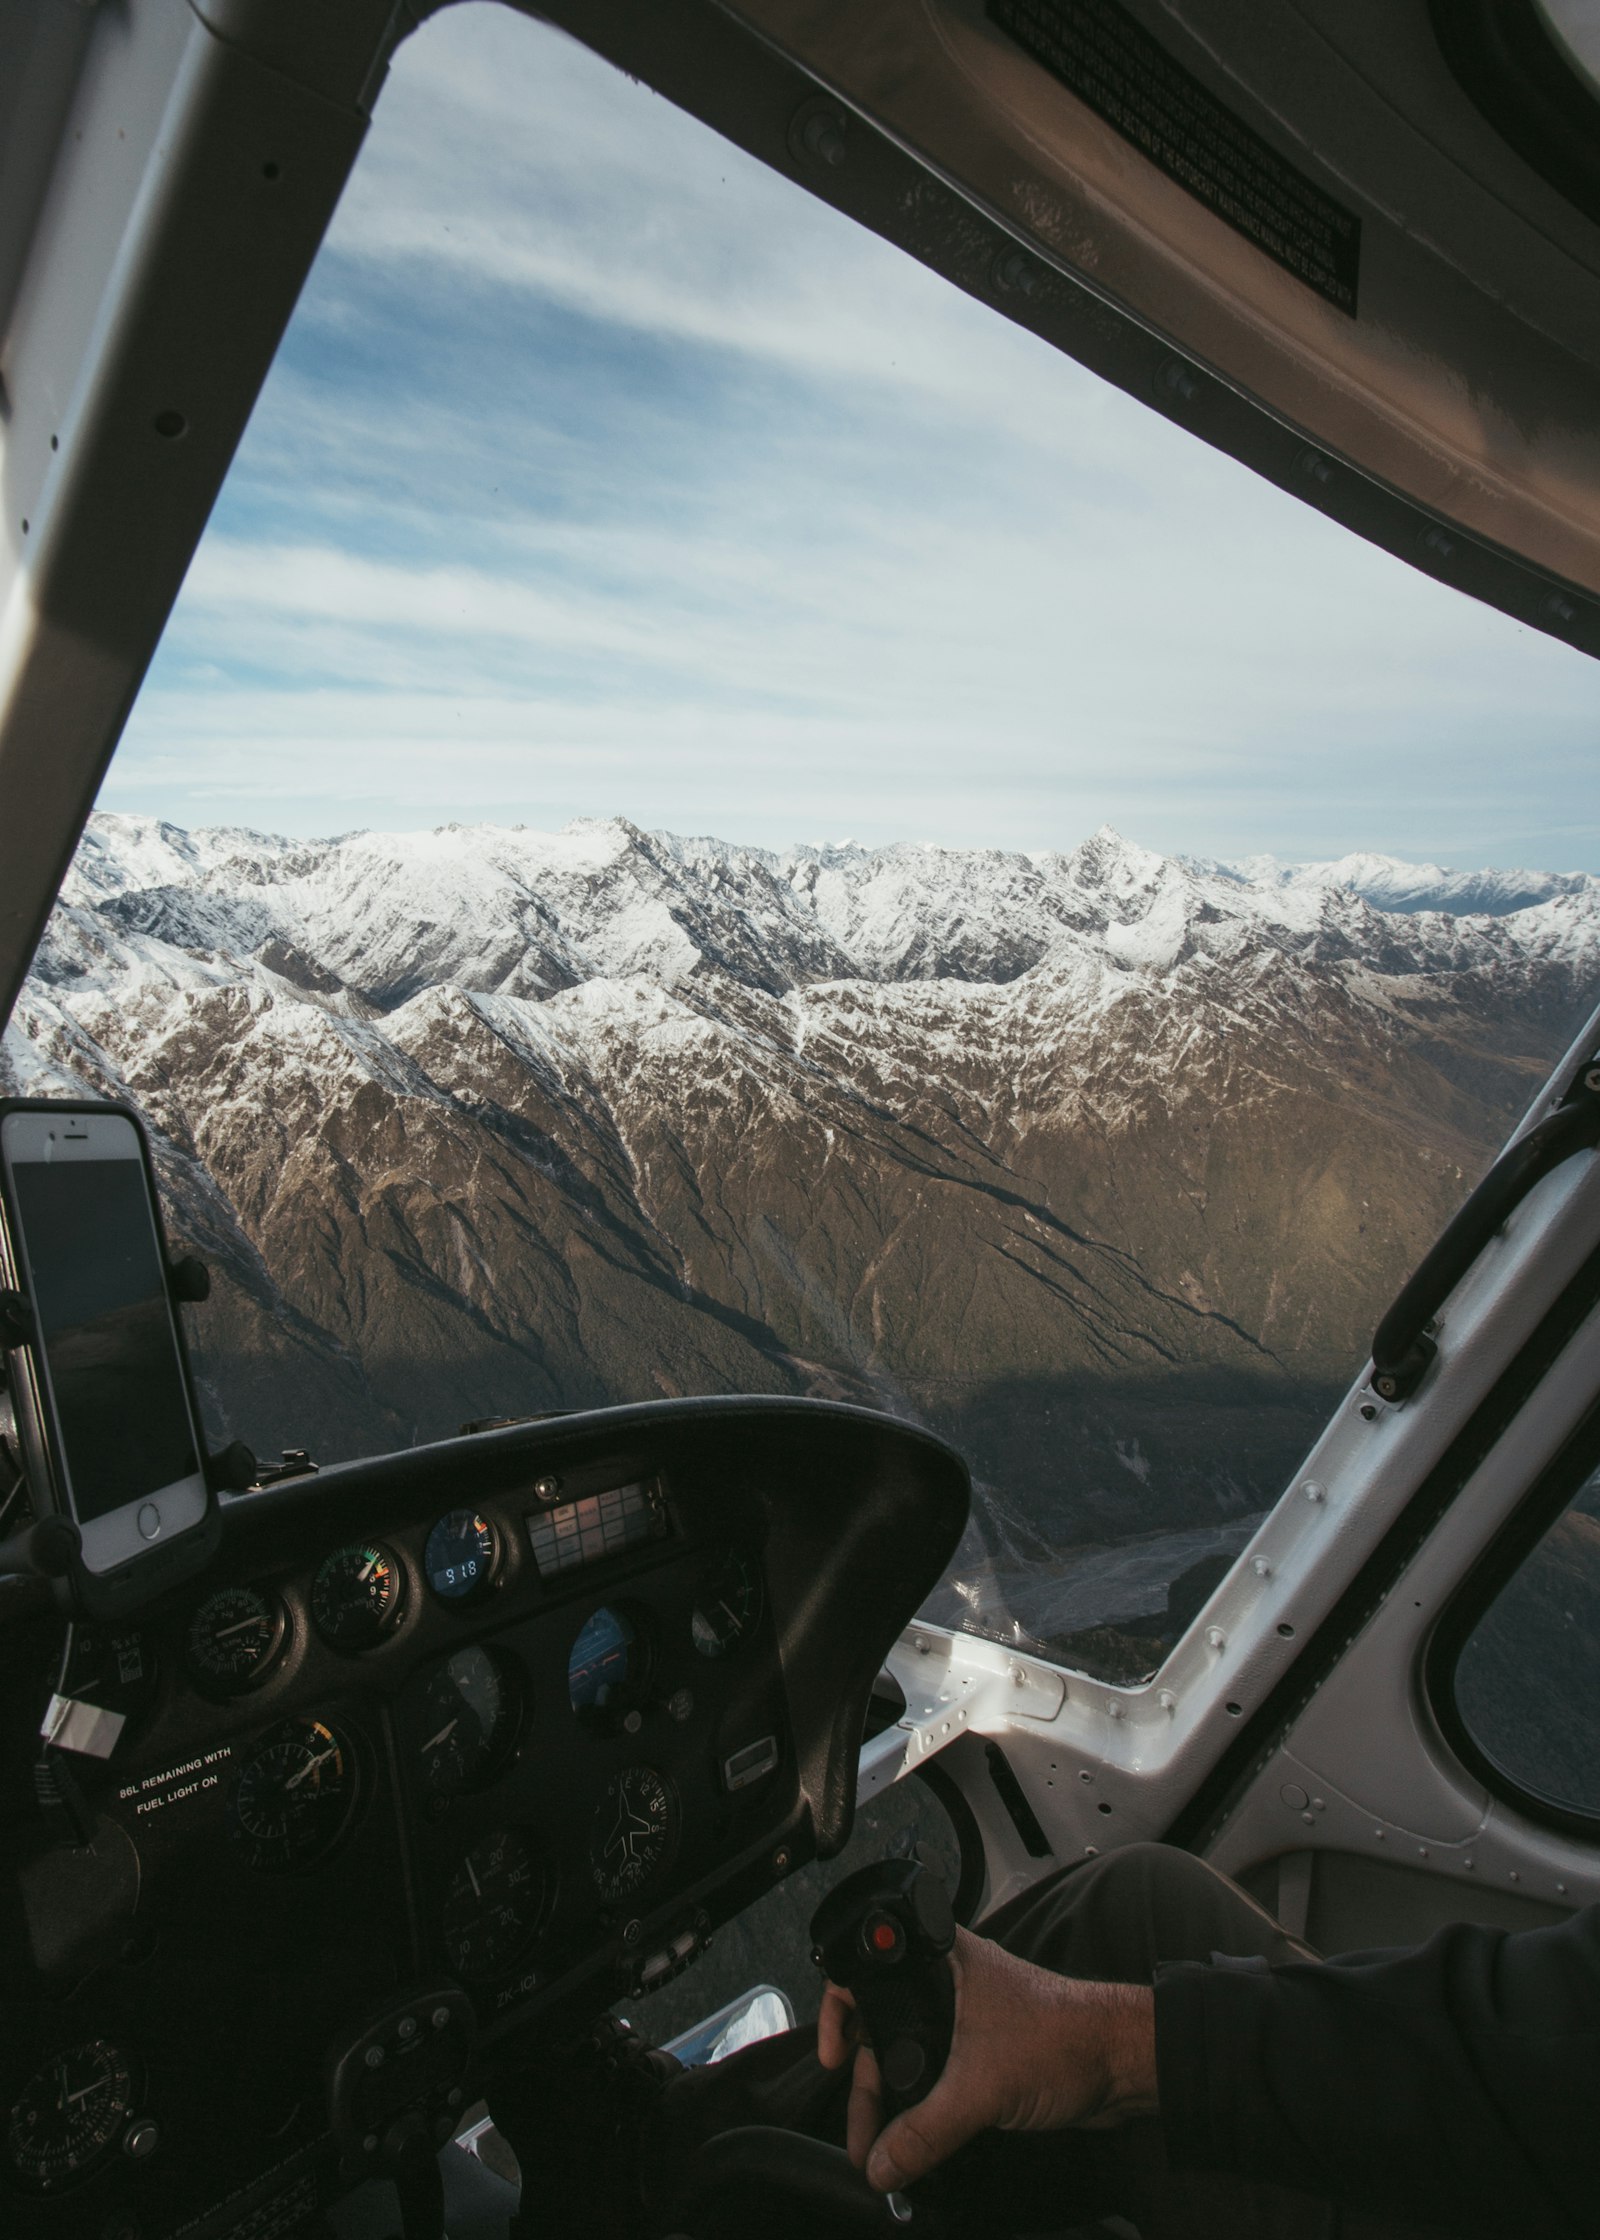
(605, 472)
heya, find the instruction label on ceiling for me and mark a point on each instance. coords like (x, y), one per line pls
(1111, 62)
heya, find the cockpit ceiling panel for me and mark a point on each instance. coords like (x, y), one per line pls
(1462, 381)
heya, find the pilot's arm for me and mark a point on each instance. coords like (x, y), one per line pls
(1457, 2084)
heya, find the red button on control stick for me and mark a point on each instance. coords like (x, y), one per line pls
(881, 1934)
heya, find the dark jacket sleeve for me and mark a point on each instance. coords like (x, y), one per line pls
(1457, 2084)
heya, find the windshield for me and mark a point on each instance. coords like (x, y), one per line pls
(713, 817)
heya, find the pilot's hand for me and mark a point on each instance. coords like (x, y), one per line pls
(1031, 2051)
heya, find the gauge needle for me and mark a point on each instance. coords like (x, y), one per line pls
(84, 2094)
(245, 1625)
(309, 1767)
(477, 1887)
(367, 1569)
(443, 1735)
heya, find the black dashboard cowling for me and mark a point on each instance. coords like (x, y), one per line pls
(201, 2013)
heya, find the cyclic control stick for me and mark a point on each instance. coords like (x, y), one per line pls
(885, 1934)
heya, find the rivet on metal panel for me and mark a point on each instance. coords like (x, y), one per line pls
(1313, 1491)
(1216, 1638)
(1014, 269)
(820, 130)
(1260, 1566)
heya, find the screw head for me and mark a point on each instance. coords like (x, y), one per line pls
(782, 1859)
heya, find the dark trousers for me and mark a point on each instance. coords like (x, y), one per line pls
(1114, 1920)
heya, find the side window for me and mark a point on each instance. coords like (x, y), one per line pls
(1526, 1686)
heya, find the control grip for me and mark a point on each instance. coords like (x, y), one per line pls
(885, 1935)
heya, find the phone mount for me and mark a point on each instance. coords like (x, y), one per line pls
(50, 1549)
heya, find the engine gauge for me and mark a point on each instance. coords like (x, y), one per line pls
(355, 1596)
(471, 1710)
(494, 1906)
(728, 1607)
(235, 1638)
(69, 2114)
(634, 1832)
(607, 1661)
(293, 1796)
(460, 1554)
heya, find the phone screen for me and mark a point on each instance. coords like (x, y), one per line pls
(100, 1296)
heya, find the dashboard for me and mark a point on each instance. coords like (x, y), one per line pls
(443, 1754)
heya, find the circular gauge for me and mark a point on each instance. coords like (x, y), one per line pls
(470, 1713)
(70, 2113)
(728, 1607)
(493, 1907)
(235, 1637)
(606, 1660)
(634, 1832)
(293, 1796)
(355, 1596)
(459, 1557)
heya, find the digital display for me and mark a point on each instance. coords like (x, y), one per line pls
(601, 1524)
(100, 1296)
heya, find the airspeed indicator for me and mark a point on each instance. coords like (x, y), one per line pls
(235, 1637)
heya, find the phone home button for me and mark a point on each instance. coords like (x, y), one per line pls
(149, 1520)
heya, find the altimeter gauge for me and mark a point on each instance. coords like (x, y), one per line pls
(70, 2114)
(471, 1710)
(293, 1796)
(236, 1637)
(356, 1596)
(727, 1608)
(494, 1906)
(634, 1831)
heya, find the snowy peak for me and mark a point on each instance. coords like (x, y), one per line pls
(1392, 885)
(368, 921)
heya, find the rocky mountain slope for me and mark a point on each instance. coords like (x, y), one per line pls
(1102, 1163)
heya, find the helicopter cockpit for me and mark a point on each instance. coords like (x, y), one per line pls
(405, 1843)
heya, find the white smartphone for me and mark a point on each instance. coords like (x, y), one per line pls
(106, 1381)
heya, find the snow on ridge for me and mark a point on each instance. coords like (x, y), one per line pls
(524, 913)
(1402, 888)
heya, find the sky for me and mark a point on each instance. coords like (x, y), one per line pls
(603, 472)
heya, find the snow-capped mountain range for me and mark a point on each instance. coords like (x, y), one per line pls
(1103, 1162)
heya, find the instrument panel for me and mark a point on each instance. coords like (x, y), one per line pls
(525, 1727)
